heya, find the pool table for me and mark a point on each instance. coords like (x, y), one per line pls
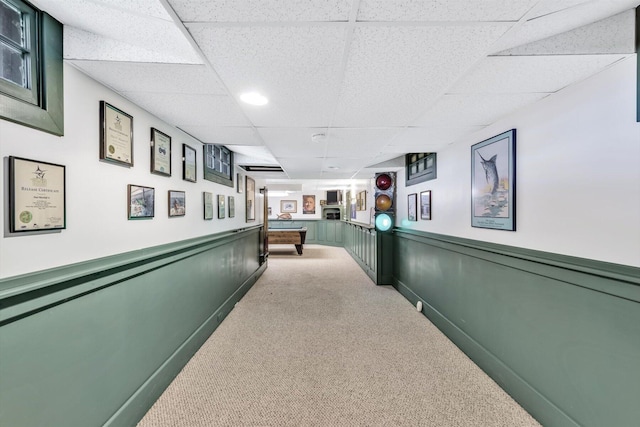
(294, 236)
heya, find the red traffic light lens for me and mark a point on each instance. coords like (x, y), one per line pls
(383, 181)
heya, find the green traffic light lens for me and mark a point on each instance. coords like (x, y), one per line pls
(383, 222)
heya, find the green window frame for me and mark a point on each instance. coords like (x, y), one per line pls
(218, 164)
(31, 81)
(420, 167)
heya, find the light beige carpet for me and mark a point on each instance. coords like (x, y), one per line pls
(316, 343)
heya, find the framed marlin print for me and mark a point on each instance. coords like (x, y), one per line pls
(493, 182)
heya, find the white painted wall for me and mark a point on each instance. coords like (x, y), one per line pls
(578, 174)
(96, 191)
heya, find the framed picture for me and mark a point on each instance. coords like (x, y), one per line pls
(413, 207)
(353, 209)
(221, 206)
(493, 182)
(207, 201)
(239, 183)
(177, 203)
(141, 201)
(425, 205)
(160, 153)
(116, 135)
(232, 207)
(308, 204)
(362, 200)
(288, 206)
(250, 198)
(189, 170)
(37, 195)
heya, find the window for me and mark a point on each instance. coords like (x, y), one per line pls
(31, 87)
(218, 164)
(420, 167)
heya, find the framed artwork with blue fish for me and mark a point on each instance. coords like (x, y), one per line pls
(493, 182)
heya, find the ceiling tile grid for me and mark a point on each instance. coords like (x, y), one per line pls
(297, 68)
(293, 142)
(153, 78)
(393, 73)
(438, 10)
(224, 135)
(261, 10)
(189, 109)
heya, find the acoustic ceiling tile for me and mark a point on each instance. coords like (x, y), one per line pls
(261, 10)
(187, 109)
(346, 143)
(438, 10)
(293, 142)
(210, 134)
(297, 68)
(394, 73)
(551, 17)
(428, 138)
(463, 109)
(148, 77)
(530, 74)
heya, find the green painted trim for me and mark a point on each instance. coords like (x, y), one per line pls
(135, 408)
(578, 271)
(558, 333)
(545, 411)
(27, 294)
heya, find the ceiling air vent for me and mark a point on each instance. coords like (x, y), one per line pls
(262, 168)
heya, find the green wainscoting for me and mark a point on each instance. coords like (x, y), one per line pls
(96, 343)
(361, 243)
(319, 231)
(560, 334)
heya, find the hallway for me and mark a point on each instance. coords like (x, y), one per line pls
(316, 343)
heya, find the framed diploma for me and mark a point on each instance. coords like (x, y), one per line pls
(177, 203)
(207, 199)
(142, 201)
(250, 199)
(221, 206)
(160, 153)
(36, 195)
(188, 163)
(116, 135)
(232, 207)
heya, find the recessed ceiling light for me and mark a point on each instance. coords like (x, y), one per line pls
(253, 98)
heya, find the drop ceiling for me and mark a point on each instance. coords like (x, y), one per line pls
(379, 78)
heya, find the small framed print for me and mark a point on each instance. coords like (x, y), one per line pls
(232, 207)
(207, 200)
(177, 203)
(288, 206)
(189, 169)
(221, 206)
(250, 199)
(37, 196)
(160, 153)
(141, 202)
(239, 182)
(413, 207)
(425, 205)
(116, 135)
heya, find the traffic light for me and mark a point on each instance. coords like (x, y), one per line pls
(385, 194)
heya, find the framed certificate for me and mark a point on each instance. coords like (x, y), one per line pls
(207, 199)
(160, 153)
(116, 135)
(221, 206)
(36, 195)
(189, 163)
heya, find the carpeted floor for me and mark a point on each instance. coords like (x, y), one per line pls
(316, 343)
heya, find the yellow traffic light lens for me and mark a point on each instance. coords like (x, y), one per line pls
(383, 202)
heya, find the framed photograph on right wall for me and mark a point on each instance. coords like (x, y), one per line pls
(425, 205)
(493, 182)
(413, 207)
